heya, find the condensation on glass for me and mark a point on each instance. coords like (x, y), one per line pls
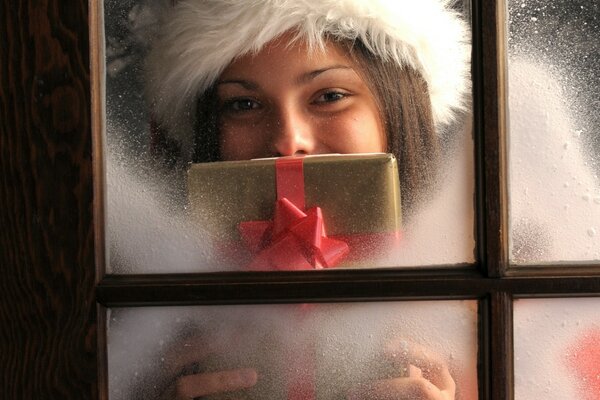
(557, 349)
(308, 351)
(554, 146)
(148, 229)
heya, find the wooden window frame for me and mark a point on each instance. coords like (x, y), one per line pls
(54, 288)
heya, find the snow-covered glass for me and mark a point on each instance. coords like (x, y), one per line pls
(557, 349)
(150, 222)
(553, 122)
(291, 351)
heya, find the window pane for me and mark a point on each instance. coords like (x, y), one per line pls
(553, 63)
(316, 351)
(148, 224)
(557, 349)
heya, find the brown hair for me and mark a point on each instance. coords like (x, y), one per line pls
(405, 107)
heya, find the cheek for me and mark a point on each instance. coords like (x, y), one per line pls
(242, 142)
(356, 133)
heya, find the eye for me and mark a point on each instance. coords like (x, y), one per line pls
(240, 105)
(331, 96)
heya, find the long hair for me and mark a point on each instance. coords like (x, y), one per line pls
(405, 107)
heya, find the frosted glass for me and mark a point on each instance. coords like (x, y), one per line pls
(557, 349)
(325, 351)
(553, 87)
(148, 226)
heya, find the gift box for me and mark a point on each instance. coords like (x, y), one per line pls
(253, 207)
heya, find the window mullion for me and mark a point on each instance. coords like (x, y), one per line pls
(490, 112)
(501, 346)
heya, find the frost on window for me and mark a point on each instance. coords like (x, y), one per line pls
(557, 349)
(554, 141)
(299, 351)
(149, 223)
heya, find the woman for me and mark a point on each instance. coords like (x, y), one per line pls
(412, 58)
(242, 79)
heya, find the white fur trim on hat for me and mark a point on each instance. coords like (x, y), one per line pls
(200, 38)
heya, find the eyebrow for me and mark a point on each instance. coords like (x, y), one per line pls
(245, 84)
(249, 85)
(313, 74)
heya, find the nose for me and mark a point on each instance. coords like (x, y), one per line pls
(292, 132)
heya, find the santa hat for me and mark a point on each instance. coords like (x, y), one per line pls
(200, 38)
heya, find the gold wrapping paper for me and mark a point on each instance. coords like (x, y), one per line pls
(359, 194)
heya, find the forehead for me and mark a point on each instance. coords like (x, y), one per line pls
(287, 55)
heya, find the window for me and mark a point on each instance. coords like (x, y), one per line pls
(48, 249)
(492, 284)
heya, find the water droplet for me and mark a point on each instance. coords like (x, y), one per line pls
(591, 232)
(533, 19)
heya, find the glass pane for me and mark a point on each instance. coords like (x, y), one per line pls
(155, 222)
(553, 63)
(557, 349)
(300, 351)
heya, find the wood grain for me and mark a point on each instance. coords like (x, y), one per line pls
(47, 306)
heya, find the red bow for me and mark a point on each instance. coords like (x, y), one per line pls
(295, 240)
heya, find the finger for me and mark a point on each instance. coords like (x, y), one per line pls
(414, 372)
(191, 386)
(430, 363)
(416, 353)
(398, 389)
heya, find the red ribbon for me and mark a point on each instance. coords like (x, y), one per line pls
(289, 177)
(295, 239)
(301, 381)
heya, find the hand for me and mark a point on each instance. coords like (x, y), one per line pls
(428, 377)
(192, 386)
(191, 383)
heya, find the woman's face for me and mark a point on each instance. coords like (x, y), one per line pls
(286, 101)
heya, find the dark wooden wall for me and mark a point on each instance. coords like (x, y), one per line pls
(47, 305)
